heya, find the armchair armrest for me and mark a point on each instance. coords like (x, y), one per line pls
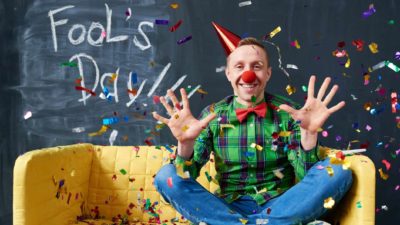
(358, 205)
(51, 184)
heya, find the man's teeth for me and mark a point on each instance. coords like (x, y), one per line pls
(248, 85)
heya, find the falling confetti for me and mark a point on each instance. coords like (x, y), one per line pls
(162, 22)
(371, 10)
(176, 26)
(245, 3)
(273, 33)
(373, 47)
(296, 44)
(183, 40)
(28, 115)
(329, 203)
(128, 14)
(383, 175)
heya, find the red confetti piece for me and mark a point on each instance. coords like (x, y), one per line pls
(341, 44)
(340, 155)
(178, 106)
(176, 26)
(359, 44)
(156, 99)
(275, 135)
(387, 164)
(394, 101)
(69, 197)
(169, 182)
(79, 88)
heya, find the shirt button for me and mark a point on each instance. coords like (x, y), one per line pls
(252, 166)
(251, 175)
(252, 124)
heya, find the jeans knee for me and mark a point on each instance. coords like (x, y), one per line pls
(342, 177)
(163, 174)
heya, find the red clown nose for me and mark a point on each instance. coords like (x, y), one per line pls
(249, 76)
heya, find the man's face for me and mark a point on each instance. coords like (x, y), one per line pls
(243, 58)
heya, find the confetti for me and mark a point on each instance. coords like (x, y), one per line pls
(262, 221)
(256, 146)
(102, 130)
(359, 204)
(330, 170)
(392, 66)
(397, 56)
(70, 64)
(113, 136)
(279, 57)
(304, 88)
(122, 171)
(273, 33)
(183, 40)
(78, 130)
(371, 10)
(295, 44)
(348, 62)
(162, 22)
(384, 207)
(373, 47)
(111, 120)
(79, 88)
(378, 66)
(28, 115)
(329, 203)
(387, 164)
(338, 138)
(285, 133)
(359, 44)
(394, 102)
(245, 3)
(169, 182)
(397, 187)
(290, 89)
(325, 133)
(291, 66)
(185, 128)
(339, 54)
(128, 14)
(176, 26)
(278, 173)
(174, 5)
(368, 127)
(243, 221)
(320, 167)
(220, 69)
(341, 44)
(383, 175)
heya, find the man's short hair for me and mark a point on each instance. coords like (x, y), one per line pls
(253, 41)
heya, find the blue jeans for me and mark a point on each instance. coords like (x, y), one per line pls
(300, 204)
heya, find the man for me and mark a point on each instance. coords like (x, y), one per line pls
(262, 145)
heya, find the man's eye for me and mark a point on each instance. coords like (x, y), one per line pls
(239, 67)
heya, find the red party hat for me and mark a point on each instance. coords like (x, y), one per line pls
(228, 39)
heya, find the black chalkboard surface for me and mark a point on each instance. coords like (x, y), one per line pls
(92, 71)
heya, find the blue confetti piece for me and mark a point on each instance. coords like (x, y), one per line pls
(249, 154)
(162, 22)
(111, 120)
(126, 118)
(183, 40)
(134, 78)
(168, 148)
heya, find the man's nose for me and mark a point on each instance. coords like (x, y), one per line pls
(248, 76)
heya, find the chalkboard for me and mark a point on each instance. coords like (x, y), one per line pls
(93, 71)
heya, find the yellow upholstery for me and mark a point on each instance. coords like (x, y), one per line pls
(56, 185)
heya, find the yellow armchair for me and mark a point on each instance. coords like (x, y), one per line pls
(89, 184)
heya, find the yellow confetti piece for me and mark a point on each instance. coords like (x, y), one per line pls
(227, 126)
(367, 106)
(348, 62)
(102, 130)
(113, 77)
(181, 173)
(290, 89)
(243, 221)
(373, 47)
(278, 173)
(256, 146)
(329, 203)
(185, 128)
(384, 176)
(275, 31)
(330, 171)
(201, 91)
(188, 163)
(174, 5)
(285, 133)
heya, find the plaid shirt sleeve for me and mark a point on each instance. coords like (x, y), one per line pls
(300, 159)
(201, 153)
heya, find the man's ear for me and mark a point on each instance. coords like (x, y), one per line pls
(269, 73)
(227, 73)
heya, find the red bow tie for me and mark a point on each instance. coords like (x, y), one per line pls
(260, 110)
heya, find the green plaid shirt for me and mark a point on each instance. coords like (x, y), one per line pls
(260, 157)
